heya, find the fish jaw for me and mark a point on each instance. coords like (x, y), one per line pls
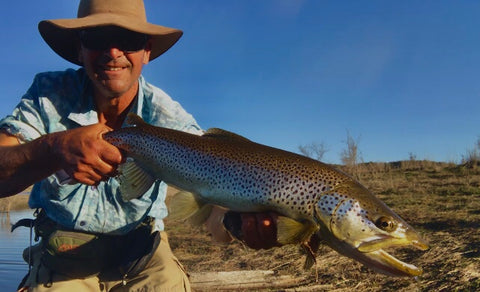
(410, 238)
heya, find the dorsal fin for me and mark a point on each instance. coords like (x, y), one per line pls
(135, 120)
(224, 134)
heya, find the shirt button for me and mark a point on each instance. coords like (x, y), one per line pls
(82, 223)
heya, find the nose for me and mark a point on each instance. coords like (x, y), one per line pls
(113, 52)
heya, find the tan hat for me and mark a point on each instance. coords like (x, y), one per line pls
(62, 34)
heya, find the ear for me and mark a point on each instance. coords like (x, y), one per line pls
(147, 51)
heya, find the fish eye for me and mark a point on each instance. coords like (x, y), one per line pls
(386, 223)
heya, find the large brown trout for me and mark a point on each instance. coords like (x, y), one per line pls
(222, 168)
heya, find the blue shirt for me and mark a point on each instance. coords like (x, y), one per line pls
(58, 101)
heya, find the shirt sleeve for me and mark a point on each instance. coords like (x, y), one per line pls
(26, 121)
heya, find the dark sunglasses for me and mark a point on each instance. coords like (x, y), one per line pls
(104, 38)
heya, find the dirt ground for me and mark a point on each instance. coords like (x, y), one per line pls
(442, 201)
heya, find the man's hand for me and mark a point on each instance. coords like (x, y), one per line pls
(256, 230)
(84, 155)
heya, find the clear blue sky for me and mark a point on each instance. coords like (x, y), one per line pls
(401, 76)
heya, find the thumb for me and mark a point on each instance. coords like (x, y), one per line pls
(215, 226)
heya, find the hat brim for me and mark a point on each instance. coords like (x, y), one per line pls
(62, 34)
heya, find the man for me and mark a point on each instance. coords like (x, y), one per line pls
(92, 240)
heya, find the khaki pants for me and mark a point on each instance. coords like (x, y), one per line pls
(162, 273)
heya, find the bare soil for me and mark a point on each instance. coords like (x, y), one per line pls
(441, 200)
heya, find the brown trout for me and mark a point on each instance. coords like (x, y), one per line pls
(315, 200)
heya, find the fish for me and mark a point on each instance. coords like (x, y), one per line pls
(315, 201)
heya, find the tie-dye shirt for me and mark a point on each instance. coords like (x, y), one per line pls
(58, 101)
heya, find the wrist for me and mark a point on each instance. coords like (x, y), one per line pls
(47, 151)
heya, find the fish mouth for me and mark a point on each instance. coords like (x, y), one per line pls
(383, 262)
(387, 241)
(373, 255)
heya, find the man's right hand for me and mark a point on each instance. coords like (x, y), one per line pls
(84, 155)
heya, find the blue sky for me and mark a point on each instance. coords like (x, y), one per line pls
(400, 76)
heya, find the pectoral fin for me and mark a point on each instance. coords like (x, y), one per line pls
(134, 180)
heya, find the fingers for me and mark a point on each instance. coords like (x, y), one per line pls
(250, 231)
(87, 175)
(86, 178)
(85, 156)
(267, 230)
(216, 228)
(259, 230)
(110, 154)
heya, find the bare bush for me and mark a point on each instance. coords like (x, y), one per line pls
(472, 157)
(314, 150)
(350, 156)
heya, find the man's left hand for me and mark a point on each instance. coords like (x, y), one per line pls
(258, 230)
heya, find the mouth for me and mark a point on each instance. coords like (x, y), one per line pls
(112, 68)
(372, 254)
(383, 262)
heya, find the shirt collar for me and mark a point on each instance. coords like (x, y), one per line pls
(84, 112)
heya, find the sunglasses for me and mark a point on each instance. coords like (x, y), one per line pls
(104, 38)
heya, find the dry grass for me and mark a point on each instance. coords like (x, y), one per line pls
(442, 201)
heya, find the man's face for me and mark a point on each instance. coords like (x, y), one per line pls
(113, 59)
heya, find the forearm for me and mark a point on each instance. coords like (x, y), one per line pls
(22, 165)
(81, 153)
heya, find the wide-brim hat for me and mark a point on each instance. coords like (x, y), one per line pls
(62, 35)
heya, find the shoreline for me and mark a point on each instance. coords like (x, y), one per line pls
(16, 202)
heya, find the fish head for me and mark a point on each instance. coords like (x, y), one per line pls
(357, 224)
